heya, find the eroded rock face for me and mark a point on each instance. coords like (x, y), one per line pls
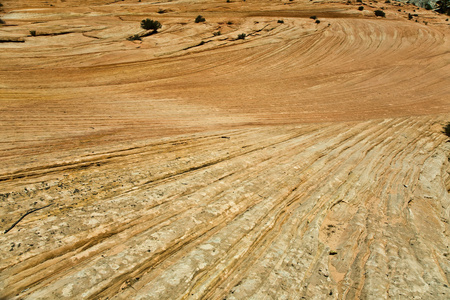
(302, 162)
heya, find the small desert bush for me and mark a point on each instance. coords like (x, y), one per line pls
(134, 37)
(149, 24)
(241, 36)
(380, 13)
(280, 21)
(33, 32)
(317, 21)
(447, 129)
(361, 8)
(313, 17)
(199, 19)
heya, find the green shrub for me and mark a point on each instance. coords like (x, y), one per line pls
(33, 32)
(199, 19)
(241, 36)
(313, 17)
(149, 24)
(280, 21)
(380, 13)
(361, 8)
(317, 22)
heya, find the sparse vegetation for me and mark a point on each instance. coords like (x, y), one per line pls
(134, 37)
(280, 21)
(33, 32)
(217, 33)
(361, 8)
(443, 7)
(447, 129)
(199, 19)
(241, 36)
(380, 13)
(149, 24)
(313, 17)
(317, 21)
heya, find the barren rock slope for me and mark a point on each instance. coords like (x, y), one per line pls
(306, 161)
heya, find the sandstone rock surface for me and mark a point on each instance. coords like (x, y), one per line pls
(306, 161)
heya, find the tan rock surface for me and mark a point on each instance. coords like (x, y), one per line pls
(306, 161)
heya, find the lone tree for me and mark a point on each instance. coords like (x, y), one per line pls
(149, 24)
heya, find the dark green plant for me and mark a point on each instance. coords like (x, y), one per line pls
(33, 32)
(241, 36)
(317, 22)
(447, 129)
(380, 13)
(361, 8)
(149, 24)
(280, 21)
(313, 17)
(199, 19)
(428, 6)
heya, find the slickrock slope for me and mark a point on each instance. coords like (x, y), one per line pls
(306, 161)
